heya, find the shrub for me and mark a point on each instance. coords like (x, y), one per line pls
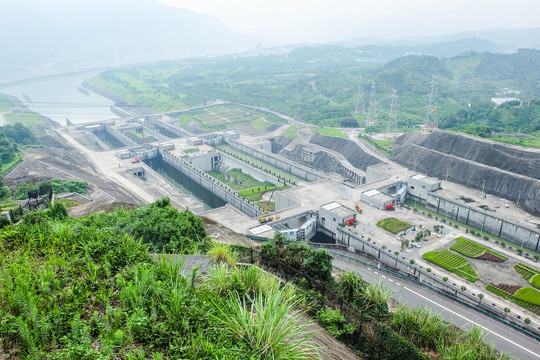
(335, 322)
(412, 261)
(445, 279)
(527, 321)
(428, 270)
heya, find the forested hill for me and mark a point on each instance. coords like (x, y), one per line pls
(320, 85)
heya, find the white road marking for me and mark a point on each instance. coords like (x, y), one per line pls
(472, 322)
(391, 280)
(384, 277)
(398, 284)
(376, 273)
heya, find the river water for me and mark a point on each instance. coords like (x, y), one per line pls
(59, 98)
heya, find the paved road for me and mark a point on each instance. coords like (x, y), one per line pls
(503, 337)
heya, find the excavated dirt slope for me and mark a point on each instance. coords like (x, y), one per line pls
(509, 172)
(351, 151)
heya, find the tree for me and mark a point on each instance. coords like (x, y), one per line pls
(7, 149)
(480, 296)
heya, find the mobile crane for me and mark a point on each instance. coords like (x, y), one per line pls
(262, 220)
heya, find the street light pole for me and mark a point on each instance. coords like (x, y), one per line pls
(519, 196)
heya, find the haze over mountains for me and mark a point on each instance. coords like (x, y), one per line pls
(77, 34)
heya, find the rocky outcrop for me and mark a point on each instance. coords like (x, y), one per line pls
(506, 171)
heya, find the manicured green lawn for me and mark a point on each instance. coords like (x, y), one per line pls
(393, 225)
(452, 262)
(260, 123)
(333, 132)
(291, 131)
(529, 295)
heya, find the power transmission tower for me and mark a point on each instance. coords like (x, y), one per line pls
(372, 111)
(360, 100)
(117, 59)
(392, 117)
(431, 123)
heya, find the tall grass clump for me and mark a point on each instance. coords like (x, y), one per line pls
(220, 252)
(421, 327)
(271, 327)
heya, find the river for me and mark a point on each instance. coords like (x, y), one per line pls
(59, 98)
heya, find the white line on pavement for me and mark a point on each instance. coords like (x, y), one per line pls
(472, 322)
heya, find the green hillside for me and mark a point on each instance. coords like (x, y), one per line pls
(319, 85)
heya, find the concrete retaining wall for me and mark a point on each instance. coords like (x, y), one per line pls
(279, 162)
(516, 233)
(346, 238)
(233, 163)
(211, 184)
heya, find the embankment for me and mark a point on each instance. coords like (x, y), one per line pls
(506, 171)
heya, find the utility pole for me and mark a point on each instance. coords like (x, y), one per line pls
(431, 123)
(392, 117)
(519, 197)
(372, 111)
(360, 108)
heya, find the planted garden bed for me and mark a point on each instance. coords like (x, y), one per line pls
(393, 225)
(528, 273)
(452, 262)
(476, 251)
(523, 296)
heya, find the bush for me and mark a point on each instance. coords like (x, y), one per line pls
(411, 262)
(527, 321)
(335, 322)
(428, 270)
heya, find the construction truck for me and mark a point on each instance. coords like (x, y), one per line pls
(358, 208)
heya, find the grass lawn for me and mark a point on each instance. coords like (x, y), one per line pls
(333, 132)
(393, 225)
(530, 142)
(5, 103)
(260, 123)
(452, 262)
(529, 295)
(191, 150)
(29, 119)
(10, 165)
(291, 131)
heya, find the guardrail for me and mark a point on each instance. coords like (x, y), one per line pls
(477, 304)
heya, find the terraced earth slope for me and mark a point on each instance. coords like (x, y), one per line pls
(506, 170)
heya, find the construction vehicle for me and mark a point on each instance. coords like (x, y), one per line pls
(262, 220)
(136, 160)
(358, 208)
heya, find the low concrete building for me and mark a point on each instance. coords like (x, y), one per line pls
(333, 215)
(377, 199)
(419, 186)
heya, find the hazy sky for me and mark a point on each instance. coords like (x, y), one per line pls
(323, 20)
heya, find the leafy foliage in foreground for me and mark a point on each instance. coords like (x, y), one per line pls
(79, 289)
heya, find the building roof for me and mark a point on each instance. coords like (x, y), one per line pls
(338, 209)
(425, 179)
